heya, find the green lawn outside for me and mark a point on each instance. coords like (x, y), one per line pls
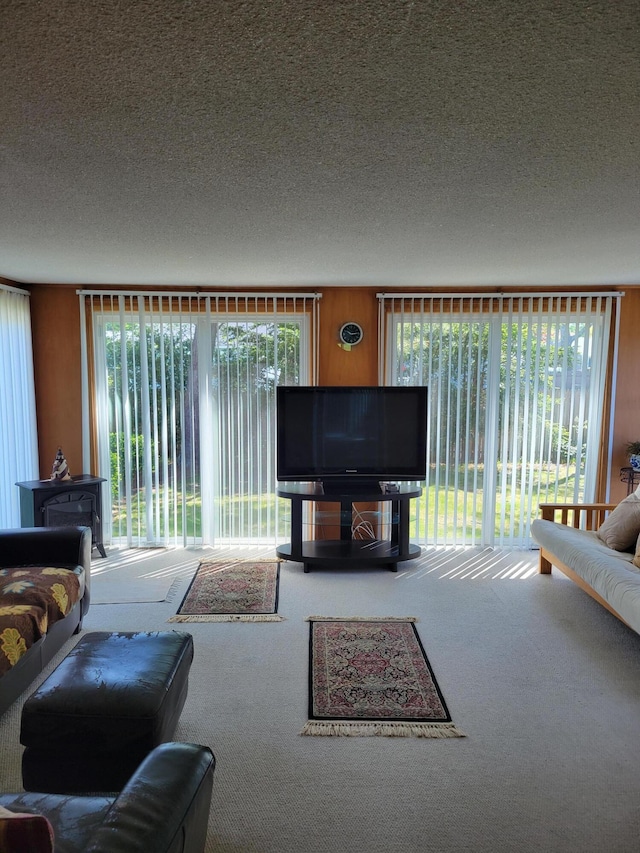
(459, 513)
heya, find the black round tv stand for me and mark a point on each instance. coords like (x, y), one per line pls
(334, 552)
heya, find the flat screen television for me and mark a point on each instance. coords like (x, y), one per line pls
(351, 438)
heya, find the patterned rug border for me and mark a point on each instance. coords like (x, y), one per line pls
(373, 728)
(316, 728)
(230, 617)
(361, 619)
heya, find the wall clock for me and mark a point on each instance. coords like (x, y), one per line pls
(350, 333)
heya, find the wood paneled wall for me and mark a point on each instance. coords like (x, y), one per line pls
(56, 338)
(359, 365)
(55, 322)
(626, 426)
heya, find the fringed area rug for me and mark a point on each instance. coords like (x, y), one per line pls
(237, 591)
(371, 677)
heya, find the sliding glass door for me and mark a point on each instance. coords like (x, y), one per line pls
(185, 414)
(516, 390)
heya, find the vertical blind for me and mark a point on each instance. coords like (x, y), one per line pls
(183, 390)
(18, 431)
(517, 387)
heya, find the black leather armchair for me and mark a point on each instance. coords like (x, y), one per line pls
(163, 808)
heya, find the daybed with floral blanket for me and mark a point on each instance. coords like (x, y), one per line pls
(44, 595)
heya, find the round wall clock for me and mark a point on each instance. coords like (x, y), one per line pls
(350, 333)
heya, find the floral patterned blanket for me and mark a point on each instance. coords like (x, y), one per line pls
(31, 600)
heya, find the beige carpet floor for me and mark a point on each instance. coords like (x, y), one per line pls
(543, 681)
(137, 575)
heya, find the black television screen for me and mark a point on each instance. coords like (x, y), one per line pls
(351, 435)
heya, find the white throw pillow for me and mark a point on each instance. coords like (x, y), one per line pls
(620, 530)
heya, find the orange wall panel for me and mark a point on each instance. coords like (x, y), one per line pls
(55, 324)
(626, 426)
(357, 366)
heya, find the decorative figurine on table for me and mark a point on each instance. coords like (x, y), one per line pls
(60, 470)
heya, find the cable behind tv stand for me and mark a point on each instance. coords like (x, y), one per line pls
(346, 551)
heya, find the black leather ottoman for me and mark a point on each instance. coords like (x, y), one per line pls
(104, 708)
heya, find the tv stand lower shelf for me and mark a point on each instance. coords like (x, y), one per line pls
(335, 552)
(346, 551)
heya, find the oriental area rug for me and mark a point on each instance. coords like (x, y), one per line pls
(371, 677)
(236, 591)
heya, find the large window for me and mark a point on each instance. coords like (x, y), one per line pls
(18, 431)
(516, 415)
(185, 412)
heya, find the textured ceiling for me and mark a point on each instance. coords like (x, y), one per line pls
(390, 143)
